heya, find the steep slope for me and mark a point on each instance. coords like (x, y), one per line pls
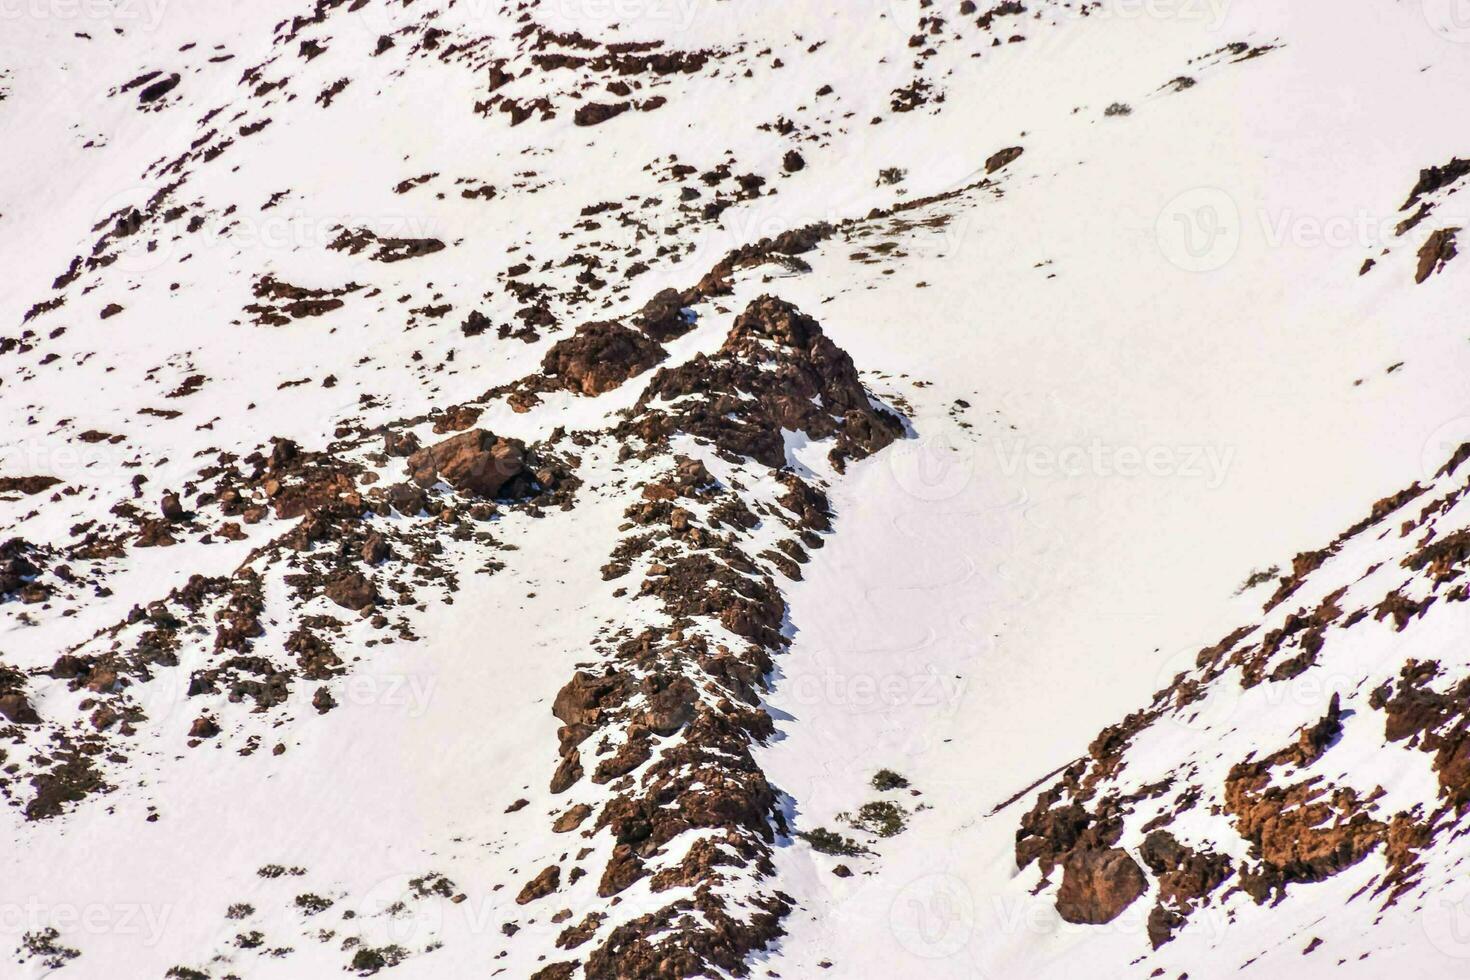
(611, 490)
(1293, 751)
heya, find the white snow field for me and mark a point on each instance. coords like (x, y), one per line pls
(660, 488)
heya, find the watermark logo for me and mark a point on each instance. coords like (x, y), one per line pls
(1211, 13)
(1199, 230)
(71, 461)
(1362, 229)
(864, 693)
(1202, 229)
(904, 14)
(1095, 458)
(376, 19)
(164, 698)
(399, 911)
(1441, 445)
(1449, 19)
(933, 468)
(143, 14)
(1446, 921)
(749, 221)
(1216, 702)
(665, 15)
(934, 916)
(143, 921)
(410, 694)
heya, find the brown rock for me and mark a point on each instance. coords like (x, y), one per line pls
(632, 754)
(16, 709)
(572, 818)
(68, 666)
(456, 419)
(203, 727)
(540, 886)
(351, 590)
(323, 701)
(407, 499)
(1097, 885)
(567, 773)
(599, 357)
(1438, 249)
(27, 485)
(101, 679)
(670, 703)
(574, 936)
(597, 112)
(476, 462)
(665, 316)
(582, 700)
(374, 549)
(1000, 158)
(400, 443)
(155, 534)
(622, 870)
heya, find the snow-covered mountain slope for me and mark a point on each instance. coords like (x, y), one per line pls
(676, 487)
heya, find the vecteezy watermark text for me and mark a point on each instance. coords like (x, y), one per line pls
(1096, 458)
(89, 918)
(146, 14)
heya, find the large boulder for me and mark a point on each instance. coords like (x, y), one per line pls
(15, 708)
(584, 699)
(351, 590)
(665, 317)
(1000, 158)
(540, 886)
(476, 462)
(599, 357)
(1097, 885)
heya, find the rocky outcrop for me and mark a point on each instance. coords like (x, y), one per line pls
(20, 570)
(540, 886)
(1303, 820)
(318, 511)
(15, 708)
(665, 317)
(27, 485)
(1436, 251)
(776, 371)
(1186, 877)
(594, 113)
(1098, 885)
(1000, 158)
(477, 463)
(668, 720)
(351, 590)
(383, 249)
(599, 357)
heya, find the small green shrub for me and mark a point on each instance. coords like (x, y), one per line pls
(828, 842)
(312, 904)
(881, 818)
(367, 961)
(886, 779)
